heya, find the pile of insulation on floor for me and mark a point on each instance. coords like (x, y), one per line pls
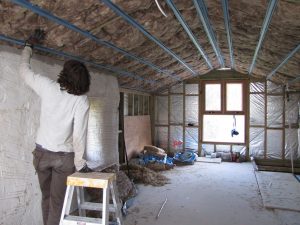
(143, 170)
(146, 168)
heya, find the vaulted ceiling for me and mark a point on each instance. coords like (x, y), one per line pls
(149, 52)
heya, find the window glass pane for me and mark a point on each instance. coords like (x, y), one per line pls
(219, 128)
(212, 97)
(234, 97)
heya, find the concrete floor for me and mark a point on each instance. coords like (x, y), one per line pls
(207, 194)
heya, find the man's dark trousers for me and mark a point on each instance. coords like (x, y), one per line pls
(52, 168)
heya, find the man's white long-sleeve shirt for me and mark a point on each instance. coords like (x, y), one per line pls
(63, 118)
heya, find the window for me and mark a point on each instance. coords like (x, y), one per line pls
(223, 112)
(136, 105)
(234, 97)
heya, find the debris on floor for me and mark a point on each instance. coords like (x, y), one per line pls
(161, 208)
(154, 158)
(126, 188)
(209, 160)
(152, 150)
(144, 175)
(187, 157)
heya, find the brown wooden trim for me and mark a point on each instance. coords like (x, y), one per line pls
(224, 143)
(176, 124)
(200, 119)
(275, 128)
(176, 94)
(275, 94)
(151, 111)
(161, 95)
(257, 126)
(169, 114)
(256, 92)
(266, 121)
(191, 95)
(121, 141)
(161, 125)
(283, 124)
(247, 119)
(183, 114)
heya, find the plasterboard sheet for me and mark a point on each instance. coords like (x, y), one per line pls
(137, 134)
(279, 190)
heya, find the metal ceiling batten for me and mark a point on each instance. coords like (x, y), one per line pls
(135, 24)
(188, 31)
(70, 56)
(267, 20)
(87, 34)
(228, 31)
(203, 15)
(289, 55)
(294, 80)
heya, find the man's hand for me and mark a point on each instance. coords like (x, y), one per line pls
(85, 169)
(36, 38)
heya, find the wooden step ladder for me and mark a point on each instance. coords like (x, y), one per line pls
(104, 181)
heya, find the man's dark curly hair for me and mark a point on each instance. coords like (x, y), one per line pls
(74, 78)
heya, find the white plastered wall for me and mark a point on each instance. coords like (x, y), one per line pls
(19, 118)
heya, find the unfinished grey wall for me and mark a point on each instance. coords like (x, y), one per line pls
(19, 117)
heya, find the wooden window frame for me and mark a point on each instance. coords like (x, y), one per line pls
(223, 110)
(223, 98)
